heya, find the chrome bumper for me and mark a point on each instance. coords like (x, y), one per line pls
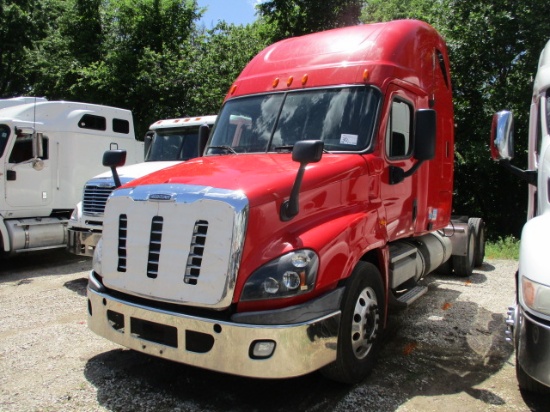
(533, 348)
(222, 346)
(82, 243)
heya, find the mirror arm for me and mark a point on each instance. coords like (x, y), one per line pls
(530, 176)
(397, 175)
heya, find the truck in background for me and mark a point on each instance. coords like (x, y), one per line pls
(529, 317)
(167, 143)
(48, 149)
(323, 198)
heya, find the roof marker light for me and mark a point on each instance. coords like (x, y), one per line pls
(304, 79)
(365, 74)
(289, 81)
(233, 88)
(275, 82)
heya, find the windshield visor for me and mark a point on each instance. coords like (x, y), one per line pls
(343, 118)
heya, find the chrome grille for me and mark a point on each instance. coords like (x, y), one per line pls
(196, 252)
(95, 198)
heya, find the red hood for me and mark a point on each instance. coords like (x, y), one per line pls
(256, 175)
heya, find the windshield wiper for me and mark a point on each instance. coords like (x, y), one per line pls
(288, 148)
(228, 149)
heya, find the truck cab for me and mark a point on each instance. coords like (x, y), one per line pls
(529, 317)
(47, 151)
(322, 200)
(167, 143)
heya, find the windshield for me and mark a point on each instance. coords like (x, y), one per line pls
(343, 118)
(173, 144)
(4, 134)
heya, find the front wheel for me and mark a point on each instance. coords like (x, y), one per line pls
(360, 331)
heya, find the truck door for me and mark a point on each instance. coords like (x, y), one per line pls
(28, 182)
(399, 199)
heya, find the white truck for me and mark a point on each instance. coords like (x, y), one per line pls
(167, 143)
(48, 149)
(529, 317)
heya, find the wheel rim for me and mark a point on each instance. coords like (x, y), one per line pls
(365, 322)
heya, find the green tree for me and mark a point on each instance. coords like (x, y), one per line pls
(23, 25)
(296, 17)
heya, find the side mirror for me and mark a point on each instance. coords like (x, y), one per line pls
(204, 133)
(502, 136)
(424, 134)
(502, 145)
(424, 144)
(114, 159)
(304, 152)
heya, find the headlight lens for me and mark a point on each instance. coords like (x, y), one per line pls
(289, 275)
(96, 261)
(536, 296)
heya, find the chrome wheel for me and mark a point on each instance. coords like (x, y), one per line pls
(365, 323)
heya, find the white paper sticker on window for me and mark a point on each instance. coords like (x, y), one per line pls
(350, 139)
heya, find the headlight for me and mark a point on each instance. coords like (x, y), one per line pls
(77, 212)
(289, 275)
(96, 261)
(536, 296)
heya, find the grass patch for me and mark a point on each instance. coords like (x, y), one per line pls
(502, 248)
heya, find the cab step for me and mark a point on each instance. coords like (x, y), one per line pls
(407, 298)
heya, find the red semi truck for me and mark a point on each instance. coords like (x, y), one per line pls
(323, 198)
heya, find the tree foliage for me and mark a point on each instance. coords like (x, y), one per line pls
(297, 17)
(152, 57)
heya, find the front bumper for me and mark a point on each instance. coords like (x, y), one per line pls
(221, 346)
(82, 243)
(533, 346)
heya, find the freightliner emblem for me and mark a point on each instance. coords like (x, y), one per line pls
(161, 197)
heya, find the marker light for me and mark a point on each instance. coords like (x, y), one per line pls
(275, 82)
(365, 75)
(289, 81)
(262, 349)
(304, 79)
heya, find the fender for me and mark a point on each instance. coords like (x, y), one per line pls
(533, 255)
(342, 242)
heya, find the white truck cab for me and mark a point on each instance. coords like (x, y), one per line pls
(48, 149)
(529, 317)
(167, 143)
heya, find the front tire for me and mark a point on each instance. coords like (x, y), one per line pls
(360, 333)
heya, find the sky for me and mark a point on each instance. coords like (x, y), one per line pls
(232, 11)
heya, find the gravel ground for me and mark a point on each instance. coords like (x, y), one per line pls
(446, 352)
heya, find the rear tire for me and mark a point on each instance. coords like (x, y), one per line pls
(463, 266)
(360, 333)
(478, 226)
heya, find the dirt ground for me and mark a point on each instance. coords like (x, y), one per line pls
(446, 352)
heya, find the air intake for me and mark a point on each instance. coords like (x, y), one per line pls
(122, 236)
(196, 252)
(154, 247)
